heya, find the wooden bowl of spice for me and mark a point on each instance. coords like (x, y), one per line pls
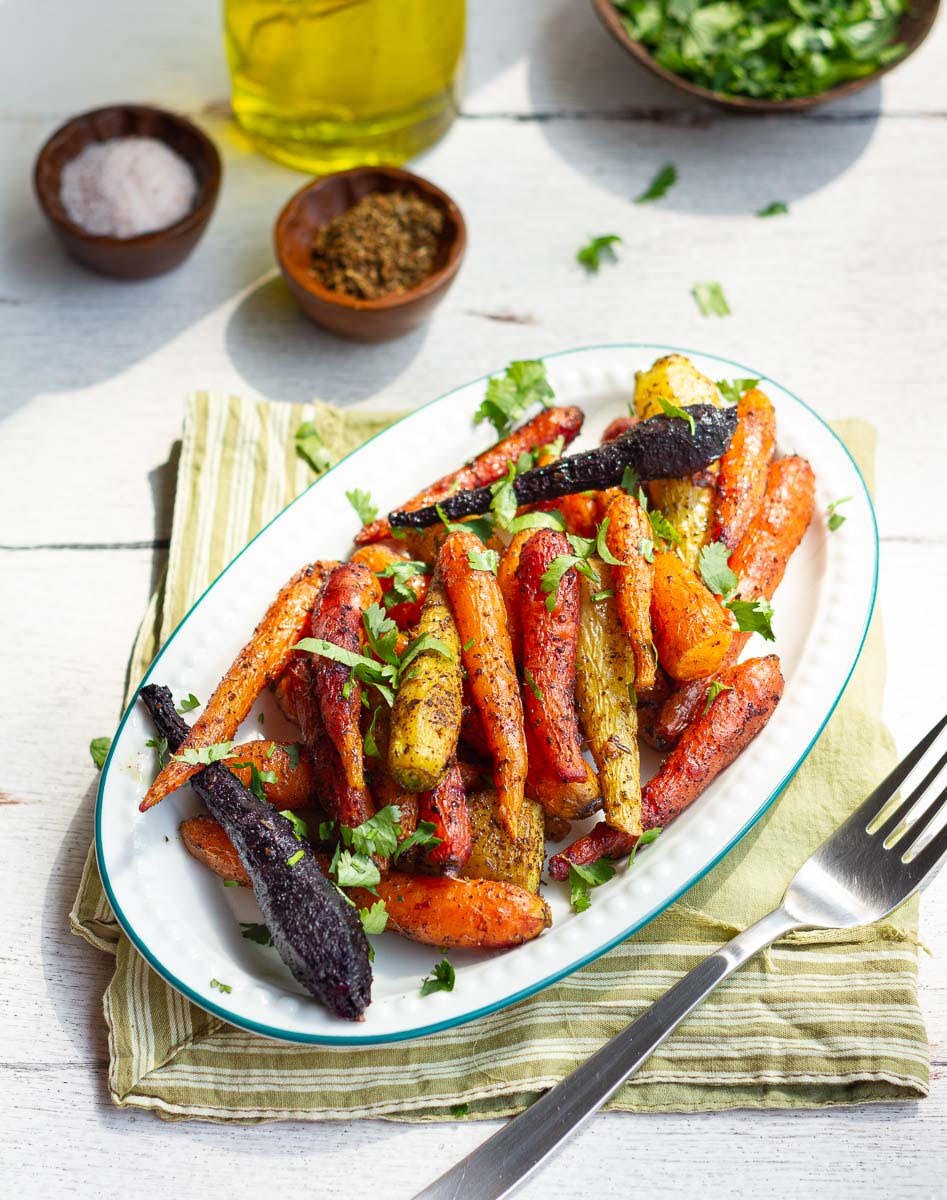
(128, 189)
(369, 253)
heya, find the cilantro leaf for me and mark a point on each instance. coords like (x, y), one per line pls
(538, 520)
(369, 745)
(836, 519)
(399, 572)
(504, 504)
(99, 750)
(256, 933)
(754, 616)
(583, 878)
(714, 565)
(552, 576)
(646, 839)
(716, 687)
(189, 704)
(300, 827)
(590, 255)
(310, 447)
(732, 389)
(775, 208)
(484, 560)
(295, 858)
(629, 481)
(646, 549)
(257, 777)
(422, 835)
(481, 527)
(221, 987)
(604, 594)
(601, 545)
(361, 501)
(205, 755)
(672, 410)
(531, 683)
(374, 919)
(509, 396)
(710, 299)
(660, 185)
(160, 747)
(378, 835)
(355, 870)
(663, 528)
(292, 750)
(441, 979)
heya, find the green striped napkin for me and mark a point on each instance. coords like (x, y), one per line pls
(820, 1019)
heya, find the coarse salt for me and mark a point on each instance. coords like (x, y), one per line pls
(127, 186)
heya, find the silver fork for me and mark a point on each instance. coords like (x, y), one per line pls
(880, 856)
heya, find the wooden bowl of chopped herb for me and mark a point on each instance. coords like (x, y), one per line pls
(369, 253)
(768, 56)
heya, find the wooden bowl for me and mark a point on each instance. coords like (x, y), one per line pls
(148, 253)
(915, 26)
(363, 320)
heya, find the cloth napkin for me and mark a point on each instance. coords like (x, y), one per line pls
(826, 1018)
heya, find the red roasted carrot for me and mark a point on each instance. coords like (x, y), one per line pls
(479, 611)
(549, 672)
(744, 469)
(260, 663)
(707, 747)
(378, 557)
(550, 424)
(445, 806)
(759, 562)
(337, 618)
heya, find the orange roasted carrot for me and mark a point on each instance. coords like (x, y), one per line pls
(479, 611)
(205, 840)
(550, 424)
(438, 910)
(627, 536)
(744, 469)
(550, 641)
(718, 736)
(382, 556)
(759, 562)
(337, 618)
(691, 630)
(289, 779)
(509, 586)
(445, 806)
(262, 660)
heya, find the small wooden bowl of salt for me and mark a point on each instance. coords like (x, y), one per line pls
(128, 189)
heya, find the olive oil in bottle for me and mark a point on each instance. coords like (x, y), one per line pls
(328, 84)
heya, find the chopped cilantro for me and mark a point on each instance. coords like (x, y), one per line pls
(503, 504)
(99, 750)
(709, 296)
(646, 549)
(601, 545)
(663, 528)
(189, 704)
(369, 745)
(310, 447)
(713, 563)
(583, 878)
(354, 870)
(292, 750)
(629, 481)
(257, 777)
(716, 687)
(672, 410)
(231, 883)
(604, 594)
(590, 255)
(203, 756)
(221, 987)
(422, 835)
(531, 683)
(754, 616)
(733, 389)
(374, 919)
(555, 571)
(646, 839)
(399, 572)
(256, 933)
(538, 520)
(295, 858)
(510, 395)
(361, 501)
(160, 747)
(300, 827)
(484, 560)
(775, 208)
(377, 835)
(836, 519)
(441, 979)
(660, 185)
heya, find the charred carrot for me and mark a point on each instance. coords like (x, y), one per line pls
(438, 910)
(548, 426)
(259, 663)
(691, 630)
(602, 841)
(628, 537)
(445, 807)
(337, 618)
(744, 469)
(479, 611)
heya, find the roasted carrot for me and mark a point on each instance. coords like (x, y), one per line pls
(205, 839)
(759, 562)
(744, 469)
(441, 911)
(383, 556)
(337, 618)
(288, 778)
(259, 663)
(445, 806)
(602, 841)
(509, 586)
(550, 641)
(490, 466)
(691, 630)
(616, 428)
(628, 536)
(479, 611)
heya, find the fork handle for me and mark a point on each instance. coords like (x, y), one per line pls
(503, 1163)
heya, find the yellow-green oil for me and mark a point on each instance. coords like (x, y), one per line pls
(328, 84)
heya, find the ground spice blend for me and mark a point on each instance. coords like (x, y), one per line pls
(387, 242)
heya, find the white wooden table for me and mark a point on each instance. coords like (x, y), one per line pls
(843, 300)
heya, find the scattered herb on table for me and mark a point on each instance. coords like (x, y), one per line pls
(767, 49)
(311, 448)
(595, 249)
(835, 518)
(459, 1110)
(660, 185)
(99, 748)
(386, 243)
(710, 299)
(775, 208)
(441, 979)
